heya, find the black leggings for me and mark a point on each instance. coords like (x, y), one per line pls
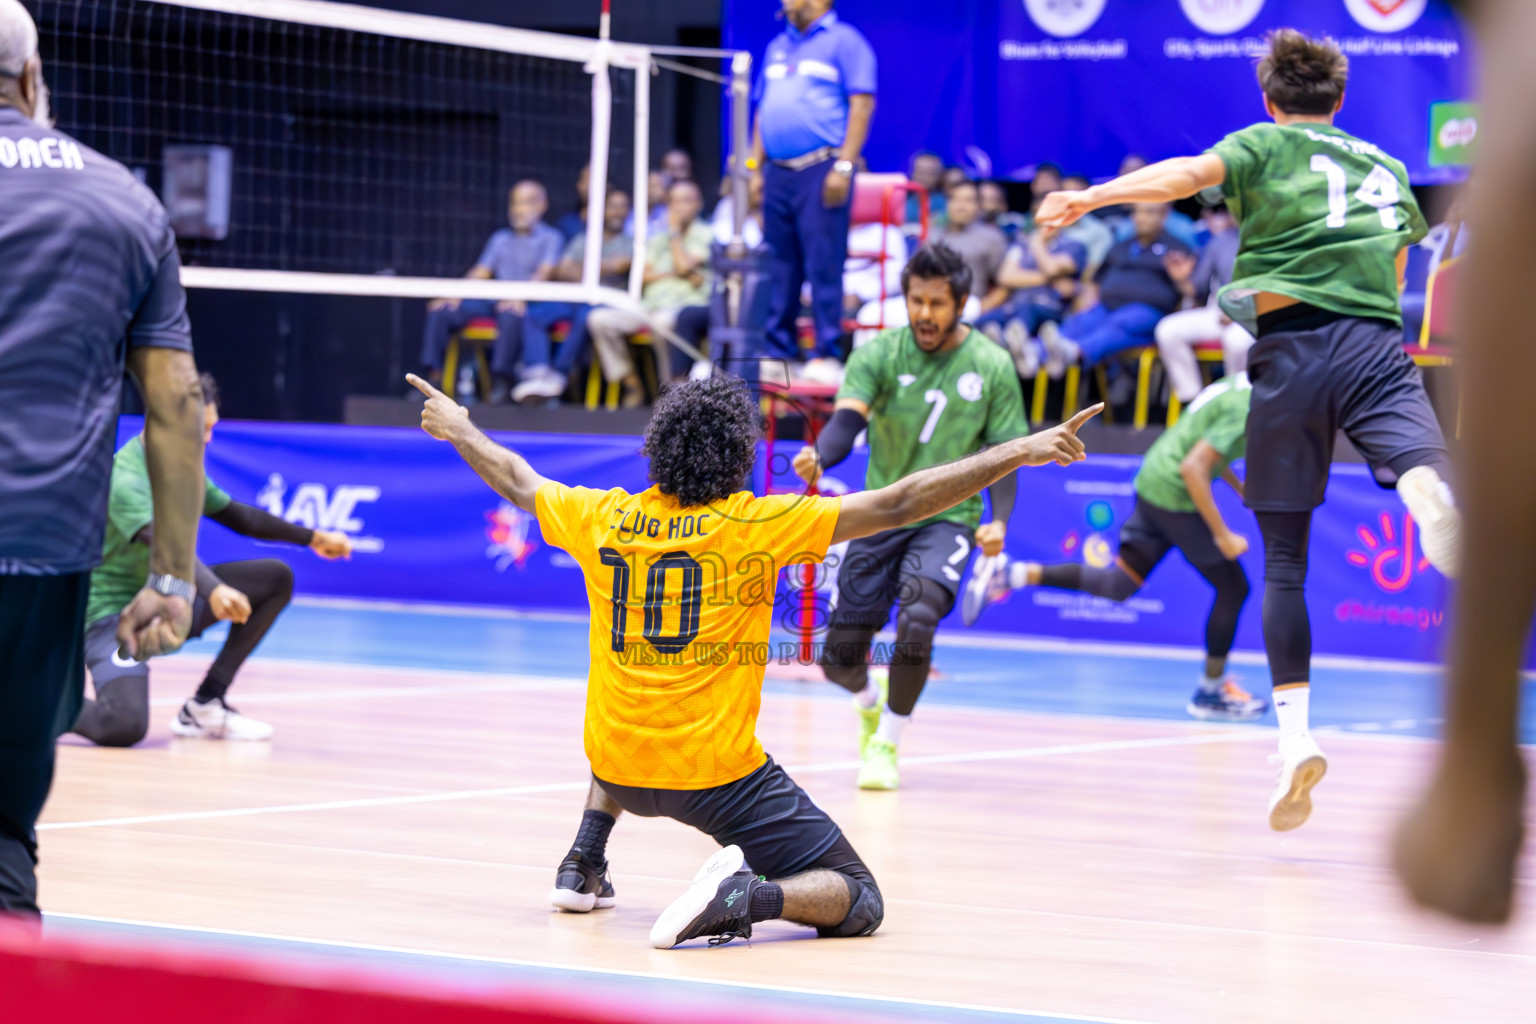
(1115, 584)
(119, 716)
(1287, 628)
(847, 646)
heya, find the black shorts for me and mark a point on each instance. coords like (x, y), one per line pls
(1152, 532)
(1315, 373)
(767, 814)
(898, 564)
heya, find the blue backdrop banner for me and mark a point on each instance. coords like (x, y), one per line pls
(1000, 85)
(427, 529)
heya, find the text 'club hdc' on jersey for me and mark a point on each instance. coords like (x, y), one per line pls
(1323, 216)
(681, 604)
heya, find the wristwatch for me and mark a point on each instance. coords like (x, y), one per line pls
(844, 167)
(172, 586)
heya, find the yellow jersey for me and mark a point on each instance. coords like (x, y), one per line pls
(681, 607)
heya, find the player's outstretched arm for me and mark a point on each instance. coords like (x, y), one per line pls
(1162, 182)
(931, 491)
(507, 472)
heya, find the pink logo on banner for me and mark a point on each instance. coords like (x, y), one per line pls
(1390, 556)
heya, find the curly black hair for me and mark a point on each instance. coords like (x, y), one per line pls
(702, 439)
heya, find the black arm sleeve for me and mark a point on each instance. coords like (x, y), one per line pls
(202, 576)
(836, 439)
(1003, 494)
(250, 521)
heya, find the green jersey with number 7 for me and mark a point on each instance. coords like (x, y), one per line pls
(928, 409)
(1323, 216)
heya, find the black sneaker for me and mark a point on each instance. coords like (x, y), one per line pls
(581, 886)
(717, 904)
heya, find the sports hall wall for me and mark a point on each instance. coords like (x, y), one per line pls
(427, 529)
(1000, 85)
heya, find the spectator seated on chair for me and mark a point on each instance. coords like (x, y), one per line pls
(983, 246)
(526, 251)
(1132, 291)
(677, 275)
(1090, 232)
(1035, 285)
(544, 377)
(1178, 333)
(723, 221)
(995, 210)
(928, 171)
(574, 222)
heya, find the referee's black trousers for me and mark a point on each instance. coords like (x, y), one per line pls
(42, 680)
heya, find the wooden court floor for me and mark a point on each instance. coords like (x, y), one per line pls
(1096, 867)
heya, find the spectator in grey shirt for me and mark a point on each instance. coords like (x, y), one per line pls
(528, 250)
(983, 246)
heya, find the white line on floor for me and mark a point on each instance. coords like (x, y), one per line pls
(611, 971)
(1223, 736)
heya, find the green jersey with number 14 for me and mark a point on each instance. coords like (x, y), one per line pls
(1323, 217)
(926, 410)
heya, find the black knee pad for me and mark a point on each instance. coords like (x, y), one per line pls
(1119, 585)
(865, 914)
(919, 619)
(844, 654)
(122, 711)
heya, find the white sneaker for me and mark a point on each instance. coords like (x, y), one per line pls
(1018, 343)
(541, 382)
(673, 926)
(1055, 358)
(825, 370)
(989, 583)
(216, 720)
(1433, 507)
(1302, 766)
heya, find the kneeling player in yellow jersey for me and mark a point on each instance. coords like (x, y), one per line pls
(681, 581)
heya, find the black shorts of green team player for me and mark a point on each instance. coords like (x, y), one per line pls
(1315, 373)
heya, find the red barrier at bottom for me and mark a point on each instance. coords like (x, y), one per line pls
(63, 982)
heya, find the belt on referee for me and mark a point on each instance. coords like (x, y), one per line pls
(810, 159)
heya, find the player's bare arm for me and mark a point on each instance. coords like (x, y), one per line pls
(154, 623)
(931, 491)
(1198, 468)
(1163, 182)
(507, 472)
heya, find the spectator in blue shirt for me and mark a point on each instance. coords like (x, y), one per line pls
(529, 250)
(815, 98)
(575, 222)
(1134, 291)
(1039, 279)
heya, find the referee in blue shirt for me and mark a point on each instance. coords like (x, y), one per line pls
(815, 97)
(89, 281)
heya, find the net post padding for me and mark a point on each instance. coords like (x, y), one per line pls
(156, 982)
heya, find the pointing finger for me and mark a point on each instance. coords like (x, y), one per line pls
(424, 387)
(1087, 414)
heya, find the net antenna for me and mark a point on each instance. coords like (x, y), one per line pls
(367, 145)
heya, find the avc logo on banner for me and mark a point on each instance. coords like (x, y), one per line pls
(1064, 18)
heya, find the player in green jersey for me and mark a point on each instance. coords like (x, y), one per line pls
(249, 595)
(1175, 508)
(1325, 221)
(928, 394)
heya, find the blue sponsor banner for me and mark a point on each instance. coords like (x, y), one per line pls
(1000, 85)
(428, 529)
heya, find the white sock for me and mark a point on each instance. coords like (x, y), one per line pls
(869, 696)
(1291, 705)
(891, 725)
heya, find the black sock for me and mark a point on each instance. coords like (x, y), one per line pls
(592, 837)
(767, 902)
(211, 689)
(1215, 667)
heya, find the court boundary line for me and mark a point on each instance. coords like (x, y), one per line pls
(446, 796)
(613, 971)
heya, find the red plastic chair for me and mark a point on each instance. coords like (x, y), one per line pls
(882, 199)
